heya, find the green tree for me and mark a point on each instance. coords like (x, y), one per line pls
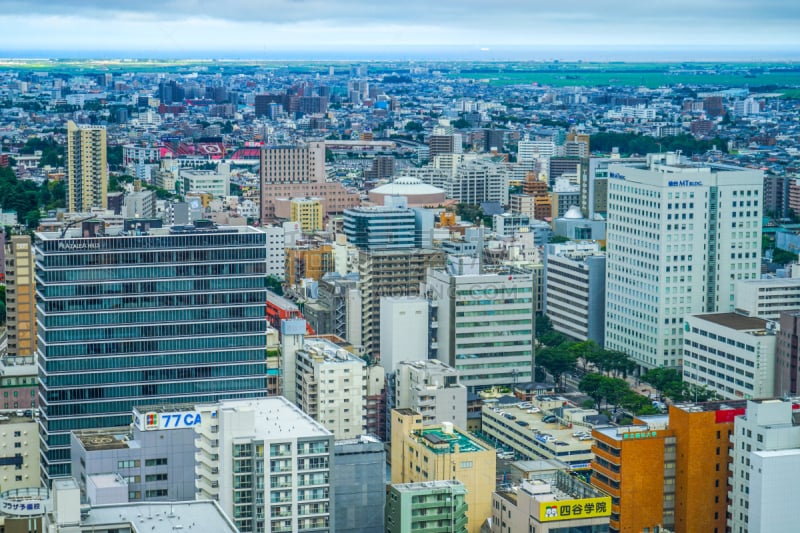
(584, 351)
(613, 390)
(783, 257)
(274, 284)
(413, 126)
(114, 156)
(666, 381)
(637, 404)
(591, 385)
(557, 361)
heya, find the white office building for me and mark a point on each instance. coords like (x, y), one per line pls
(767, 298)
(431, 388)
(267, 464)
(765, 468)
(731, 354)
(484, 325)
(575, 290)
(331, 386)
(679, 237)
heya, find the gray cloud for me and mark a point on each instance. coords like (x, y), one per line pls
(507, 21)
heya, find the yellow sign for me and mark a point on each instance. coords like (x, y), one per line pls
(574, 509)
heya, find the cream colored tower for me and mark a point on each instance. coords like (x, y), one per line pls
(87, 167)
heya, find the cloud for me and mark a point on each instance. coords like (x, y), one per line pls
(232, 24)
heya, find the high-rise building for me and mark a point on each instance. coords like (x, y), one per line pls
(679, 236)
(442, 453)
(427, 505)
(380, 227)
(390, 273)
(20, 297)
(484, 326)
(299, 171)
(173, 315)
(766, 457)
(87, 168)
(268, 465)
(575, 290)
(330, 385)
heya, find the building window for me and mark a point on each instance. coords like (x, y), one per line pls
(161, 461)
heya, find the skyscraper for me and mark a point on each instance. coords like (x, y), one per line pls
(20, 297)
(87, 167)
(679, 237)
(170, 316)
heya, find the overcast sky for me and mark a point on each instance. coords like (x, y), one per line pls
(253, 28)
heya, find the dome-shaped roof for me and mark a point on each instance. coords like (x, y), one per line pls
(574, 212)
(407, 186)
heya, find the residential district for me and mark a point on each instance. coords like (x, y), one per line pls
(391, 297)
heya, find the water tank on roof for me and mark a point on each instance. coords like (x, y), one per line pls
(447, 428)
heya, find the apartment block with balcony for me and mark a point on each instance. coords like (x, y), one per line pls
(268, 465)
(331, 386)
(427, 506)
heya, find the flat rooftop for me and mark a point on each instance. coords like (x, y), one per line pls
(441, 442)
(329, 351)
(735, 321)
(428, 485)
(276, 417)
(118, 438)
(157, 517)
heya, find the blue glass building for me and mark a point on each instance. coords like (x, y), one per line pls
(167, 315)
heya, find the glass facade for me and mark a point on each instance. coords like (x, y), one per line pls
(172, 316)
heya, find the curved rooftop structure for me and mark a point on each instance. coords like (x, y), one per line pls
(417, 192)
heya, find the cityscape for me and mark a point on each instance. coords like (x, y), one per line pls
(359, 274)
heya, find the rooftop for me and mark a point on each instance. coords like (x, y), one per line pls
(735, 321)
(328, 352)
(158, 517)
(429, 485)
(440, 442)
(104, 439)
(276, 417)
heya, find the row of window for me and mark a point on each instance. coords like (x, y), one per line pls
(204, 255)
(220, 312)
(152, 272)
(158, 288)
(161, 301)
(180, 329)
(91, 400)
(226, 368)
(150, 346)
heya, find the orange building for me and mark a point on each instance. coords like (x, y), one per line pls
(308, 262)
(636, 466)
(668, 471)
(702, 432)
